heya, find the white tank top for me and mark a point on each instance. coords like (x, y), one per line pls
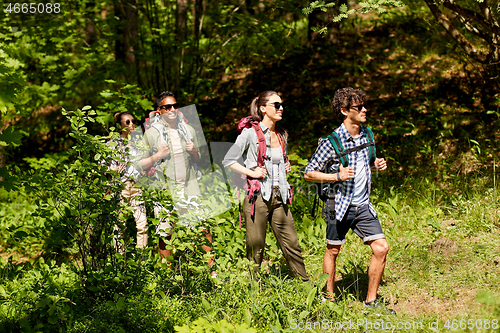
(276, 156)
(178, 155)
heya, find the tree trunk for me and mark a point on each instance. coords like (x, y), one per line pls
(181, 20)
(127, 31)
(90, 33)
(312, 22)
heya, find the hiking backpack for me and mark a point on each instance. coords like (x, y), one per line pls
(153, 121)
(327, 191)
(252, 185)
(153, 117)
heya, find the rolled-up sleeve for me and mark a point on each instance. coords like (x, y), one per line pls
(238, 149)
(323, 154)
(143, 150)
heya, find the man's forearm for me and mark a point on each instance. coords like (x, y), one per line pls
(195, 155)
(321, 177)
(149, 162)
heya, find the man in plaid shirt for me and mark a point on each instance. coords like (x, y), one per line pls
(352, 209)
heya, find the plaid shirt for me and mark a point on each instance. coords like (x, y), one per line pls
(128, 153)
(325, 160)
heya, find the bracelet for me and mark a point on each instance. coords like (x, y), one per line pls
(338, 177)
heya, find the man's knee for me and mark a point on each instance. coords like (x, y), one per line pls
(333, 250)
(380, 247)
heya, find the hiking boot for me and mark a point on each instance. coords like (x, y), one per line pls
(326, 297)
(377, 306)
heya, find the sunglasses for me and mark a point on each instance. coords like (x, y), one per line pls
(277, 105)
(169, 106)
(359, 107)
(128, 122)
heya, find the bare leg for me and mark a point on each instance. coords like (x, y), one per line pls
(377, 265)
(164, 252)
(329, 260)
(207, 248)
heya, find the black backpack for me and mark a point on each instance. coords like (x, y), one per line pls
(327, 191)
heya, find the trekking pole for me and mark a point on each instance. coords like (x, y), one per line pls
(315, 201)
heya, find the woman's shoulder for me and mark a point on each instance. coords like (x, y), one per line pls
(153, 130)
(248, 134)
(247, 130)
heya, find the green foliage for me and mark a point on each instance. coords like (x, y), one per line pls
(20, 232)
(78, 208)
(128, 98)
(321, 5)
(152, 295)
(438, 203)
(363, 7)
(11, 79)
(204, 326)
(43, 310)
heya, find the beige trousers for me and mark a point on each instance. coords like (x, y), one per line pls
(131, 196)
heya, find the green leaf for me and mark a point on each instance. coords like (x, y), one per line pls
(247, 315)
(10, 137)
(106, 94)
(52, 319)
(310, 297)
(206, 305)
(146, 104)
(120, 305)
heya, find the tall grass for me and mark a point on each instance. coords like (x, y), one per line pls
(443, 265)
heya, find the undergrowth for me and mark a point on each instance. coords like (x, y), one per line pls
(443, 265)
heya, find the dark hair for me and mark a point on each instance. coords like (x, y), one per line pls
(256, 113)
(345, 97)
(164, 95)
(118, 117)
(257, 102)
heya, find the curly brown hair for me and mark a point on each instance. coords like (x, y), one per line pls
(344, 98)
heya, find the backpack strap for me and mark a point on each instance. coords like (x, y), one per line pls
(161, 130)
(353, 149)
(344, 154)
(283, 146)
(261, 154)
(337, 145)
(152, 118)
(163, 134)
(371, 147)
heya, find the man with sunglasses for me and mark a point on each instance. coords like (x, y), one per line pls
(173, 152)
(352, 185)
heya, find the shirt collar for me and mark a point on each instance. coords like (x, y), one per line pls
(344, 131)
(263, 127)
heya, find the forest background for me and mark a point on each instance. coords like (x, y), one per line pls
(431, 72)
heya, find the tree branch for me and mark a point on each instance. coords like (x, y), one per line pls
(486, 7)
(476, 17)
(469, 49)
(473, 29)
